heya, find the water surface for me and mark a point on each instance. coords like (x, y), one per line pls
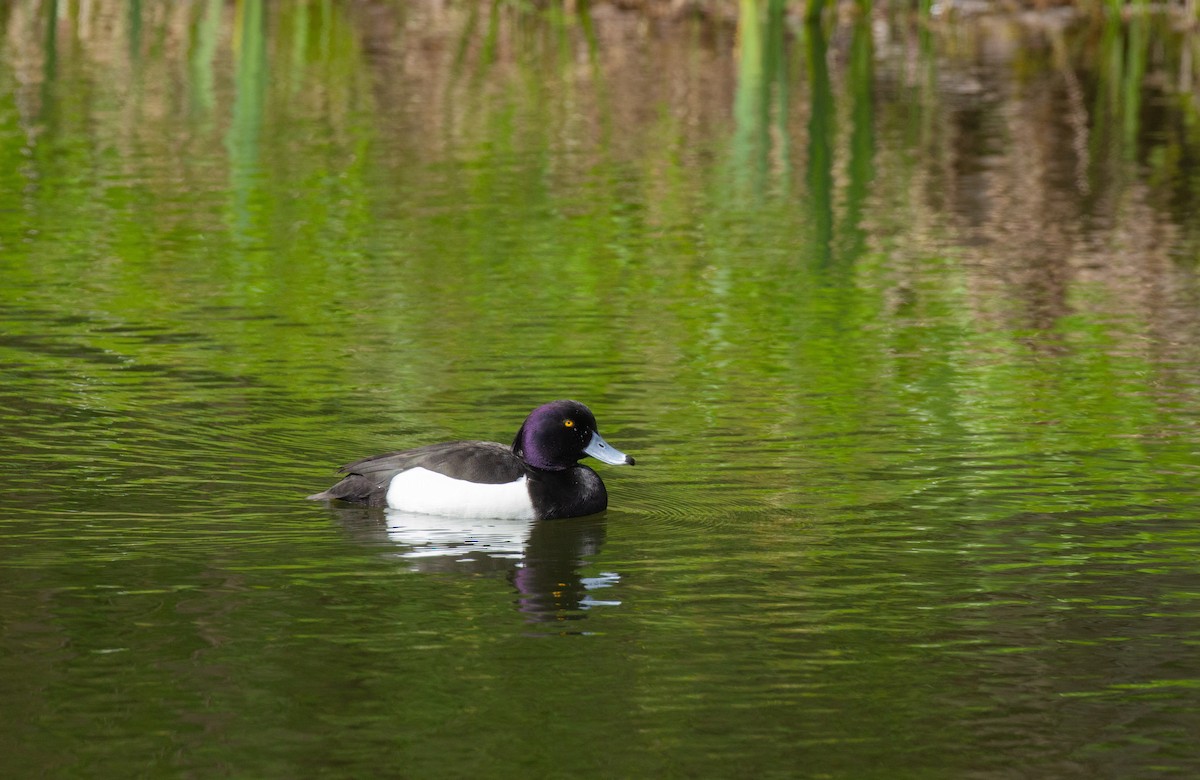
(900, 323)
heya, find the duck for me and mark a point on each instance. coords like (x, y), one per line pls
(538, 478)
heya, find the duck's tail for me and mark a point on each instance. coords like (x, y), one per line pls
(355, 488)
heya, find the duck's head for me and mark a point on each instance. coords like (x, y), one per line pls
(557, 435)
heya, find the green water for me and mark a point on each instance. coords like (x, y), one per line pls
(902, 325)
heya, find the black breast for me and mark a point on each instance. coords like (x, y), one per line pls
(572, 492)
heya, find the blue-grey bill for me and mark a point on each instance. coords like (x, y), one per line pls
(602, 451)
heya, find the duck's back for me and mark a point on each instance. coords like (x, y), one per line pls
(471, 462)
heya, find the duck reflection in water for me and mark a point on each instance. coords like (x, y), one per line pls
(541, 559)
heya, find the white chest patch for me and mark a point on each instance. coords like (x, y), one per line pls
(429, 493)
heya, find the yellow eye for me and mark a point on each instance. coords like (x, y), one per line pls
(569, 423)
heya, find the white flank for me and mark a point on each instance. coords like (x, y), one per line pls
(429, 493)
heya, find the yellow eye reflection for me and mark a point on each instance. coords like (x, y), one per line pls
(569, 423)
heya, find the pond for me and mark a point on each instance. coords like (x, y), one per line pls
(899, 317)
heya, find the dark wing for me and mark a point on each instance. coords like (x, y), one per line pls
(367, 480)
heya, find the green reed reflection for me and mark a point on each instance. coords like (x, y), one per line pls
(763, 143)
(50, 65)
(247, 121)
(751, 106)
(820, 142)
(205, 34)
(1131, 87)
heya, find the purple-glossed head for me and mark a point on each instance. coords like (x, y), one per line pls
(556, 435)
